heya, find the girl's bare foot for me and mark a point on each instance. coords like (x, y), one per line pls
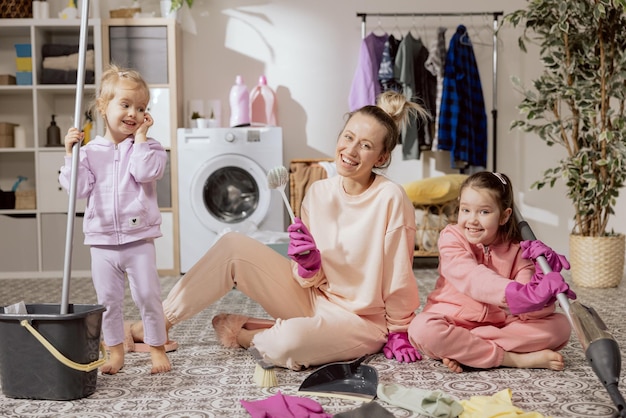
(453, 365)
(160, 361)
(544, 359)
(115, 361)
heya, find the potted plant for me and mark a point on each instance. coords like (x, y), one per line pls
(198, 120)
(169, 8)
(578, 103)
(177, 4)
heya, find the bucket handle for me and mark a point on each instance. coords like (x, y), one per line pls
(69, 363)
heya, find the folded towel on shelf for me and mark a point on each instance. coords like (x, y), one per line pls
(69, 62)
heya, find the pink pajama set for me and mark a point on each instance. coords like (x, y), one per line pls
(465, 316)
(121, 221)
(365, 289)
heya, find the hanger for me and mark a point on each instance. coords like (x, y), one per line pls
(476, 37)
(379, 27)
(396, 28)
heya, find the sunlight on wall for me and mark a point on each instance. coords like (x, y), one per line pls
(247, 34)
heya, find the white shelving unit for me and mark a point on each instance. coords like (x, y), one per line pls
(32, 240)
(153, 46)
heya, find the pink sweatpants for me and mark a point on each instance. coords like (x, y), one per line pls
(482, 346)
(137, 260)
(309, 330)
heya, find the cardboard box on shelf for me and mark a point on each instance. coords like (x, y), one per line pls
(7, 79)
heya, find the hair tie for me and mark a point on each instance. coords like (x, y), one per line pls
(500, 177)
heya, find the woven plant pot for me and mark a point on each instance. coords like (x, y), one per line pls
(597, 261)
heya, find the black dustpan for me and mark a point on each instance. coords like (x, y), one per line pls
(346, 379)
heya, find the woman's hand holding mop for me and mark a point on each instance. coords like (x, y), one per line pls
(302, 249)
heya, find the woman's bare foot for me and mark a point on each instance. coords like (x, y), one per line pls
(453, 365)
(160, 361)
(115, 362)
(136, 330)
(544, 359)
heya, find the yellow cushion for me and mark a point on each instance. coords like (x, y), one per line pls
(434, 190)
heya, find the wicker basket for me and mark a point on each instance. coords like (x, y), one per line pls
(597, 261)
(124, 13)
(25, 199)
(430, 220)
(13, 9)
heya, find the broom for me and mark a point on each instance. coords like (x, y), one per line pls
(264, 371)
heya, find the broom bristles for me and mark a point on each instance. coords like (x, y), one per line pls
(265, 378)
(264, 372)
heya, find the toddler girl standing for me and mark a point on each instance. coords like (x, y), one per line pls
(117, 174)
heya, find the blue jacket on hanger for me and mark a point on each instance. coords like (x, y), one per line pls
(462, 116)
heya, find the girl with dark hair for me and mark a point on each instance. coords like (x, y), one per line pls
(491, 305)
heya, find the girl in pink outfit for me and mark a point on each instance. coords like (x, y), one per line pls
(347, 288)
(117, 174)
(490, 307)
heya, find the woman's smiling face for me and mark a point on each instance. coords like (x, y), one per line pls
(359, 148)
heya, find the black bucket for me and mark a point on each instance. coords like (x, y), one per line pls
(64, 369)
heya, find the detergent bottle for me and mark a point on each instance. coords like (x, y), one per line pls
(239, 103)
(263, 104)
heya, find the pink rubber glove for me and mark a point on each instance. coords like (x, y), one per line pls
(539, 292)
(398, 346)
(284, 406)
(533, 249)
(302, 249)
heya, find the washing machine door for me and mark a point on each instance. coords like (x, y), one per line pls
(230, 193)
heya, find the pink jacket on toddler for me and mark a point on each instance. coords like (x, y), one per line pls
(119, 183)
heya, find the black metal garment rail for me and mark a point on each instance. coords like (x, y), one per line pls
(496, 21)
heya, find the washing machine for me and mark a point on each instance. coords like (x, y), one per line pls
(222, 186)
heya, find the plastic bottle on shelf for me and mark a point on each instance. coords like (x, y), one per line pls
(53, 134)
(263, 104)
(239, 103)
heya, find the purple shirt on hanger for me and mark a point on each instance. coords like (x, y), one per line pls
(365, 85)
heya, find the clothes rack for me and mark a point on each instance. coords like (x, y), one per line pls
(496, 17)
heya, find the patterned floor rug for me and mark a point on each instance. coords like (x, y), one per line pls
(209, 381)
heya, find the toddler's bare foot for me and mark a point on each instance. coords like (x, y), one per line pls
(160, 361)
(453, 365)
(115, 362)
(544, 359)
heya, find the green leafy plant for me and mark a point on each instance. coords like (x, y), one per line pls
(578, 100)
(196, 115)
(177, 4)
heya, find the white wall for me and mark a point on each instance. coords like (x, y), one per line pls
(309, 49)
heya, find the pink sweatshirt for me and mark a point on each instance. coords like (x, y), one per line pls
(366, 243)
(119, 182)
(472, 278)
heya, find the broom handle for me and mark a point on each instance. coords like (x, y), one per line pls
(528, 235)
(71, 211)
